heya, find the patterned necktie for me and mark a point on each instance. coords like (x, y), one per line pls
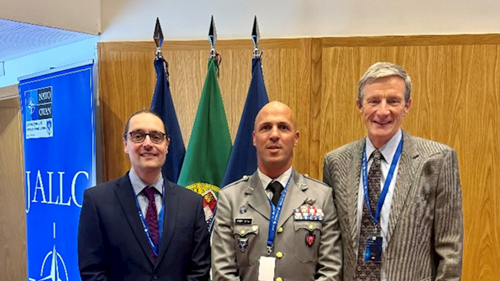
(276, 188)
(366, 270)
(152, 215)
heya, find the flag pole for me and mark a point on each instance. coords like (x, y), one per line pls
(163, 104)
(210, 144)
(212, 37)
(243, 159)
(158, 38)
(256, 39)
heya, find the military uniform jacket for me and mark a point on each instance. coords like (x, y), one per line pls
(237, 244)
(425, 231)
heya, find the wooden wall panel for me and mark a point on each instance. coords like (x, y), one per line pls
(316, 105)
(456, 100)
(287, 76)
(12, 214)
(125, 80)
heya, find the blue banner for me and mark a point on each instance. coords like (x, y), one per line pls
(59, 158)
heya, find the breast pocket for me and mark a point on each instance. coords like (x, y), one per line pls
(184, 234)
(245, 238)
(307, 240)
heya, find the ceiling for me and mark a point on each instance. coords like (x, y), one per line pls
(18, 39)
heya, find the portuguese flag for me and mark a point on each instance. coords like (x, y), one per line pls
(209, 146)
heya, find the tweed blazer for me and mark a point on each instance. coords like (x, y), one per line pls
(425, 230)
(295, 258)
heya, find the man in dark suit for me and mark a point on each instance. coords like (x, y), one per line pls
(287, 231)
(142, 226)
(409, 227)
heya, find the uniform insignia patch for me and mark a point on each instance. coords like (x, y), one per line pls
(242, 244)
(310, 238)
(310, 201)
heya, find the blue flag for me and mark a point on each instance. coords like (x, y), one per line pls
(243, 159)
(163, 105)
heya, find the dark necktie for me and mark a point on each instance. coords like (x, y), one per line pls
(366, 270)
(276, 188)
(152, 214)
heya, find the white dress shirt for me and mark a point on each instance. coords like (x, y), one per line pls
(265, 180)
(388, 150)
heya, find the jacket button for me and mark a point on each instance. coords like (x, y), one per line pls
(279, 279)
(280, 229)
(279, 255)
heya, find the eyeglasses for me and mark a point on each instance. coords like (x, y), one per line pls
(139, 136)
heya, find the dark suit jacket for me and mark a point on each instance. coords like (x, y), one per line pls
(113, 246)
(425, 230)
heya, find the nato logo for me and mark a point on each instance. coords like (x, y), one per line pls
(32, 105)
(53, 267)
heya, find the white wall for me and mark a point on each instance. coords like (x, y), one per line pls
(130, 20)
(124, 20)
(56, 57)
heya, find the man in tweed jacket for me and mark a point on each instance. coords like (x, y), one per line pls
(421, 217)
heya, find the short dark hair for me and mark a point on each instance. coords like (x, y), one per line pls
(147, 111)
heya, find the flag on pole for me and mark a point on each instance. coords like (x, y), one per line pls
(209, 146)
(243, 159)
(163, 104)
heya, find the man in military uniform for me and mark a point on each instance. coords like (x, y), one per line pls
(276, 224)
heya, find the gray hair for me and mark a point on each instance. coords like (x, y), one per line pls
(380, 70)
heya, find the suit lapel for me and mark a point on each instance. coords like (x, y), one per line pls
(405, 178)
(126, 197)
(171, 203)
(257, 198)
(353, 179)
(295, 197)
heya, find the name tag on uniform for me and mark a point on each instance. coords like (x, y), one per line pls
(243, 221)
(266, 268)
(373, 250)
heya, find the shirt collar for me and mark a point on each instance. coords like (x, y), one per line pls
(283, 179)
(139, 184)
(388, 149)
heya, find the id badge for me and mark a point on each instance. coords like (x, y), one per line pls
(266, 268)
(373, 250)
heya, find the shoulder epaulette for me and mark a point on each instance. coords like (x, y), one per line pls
(244, 178)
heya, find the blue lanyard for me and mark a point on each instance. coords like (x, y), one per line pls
(387, 182)
(145, 225)
(275, 216)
